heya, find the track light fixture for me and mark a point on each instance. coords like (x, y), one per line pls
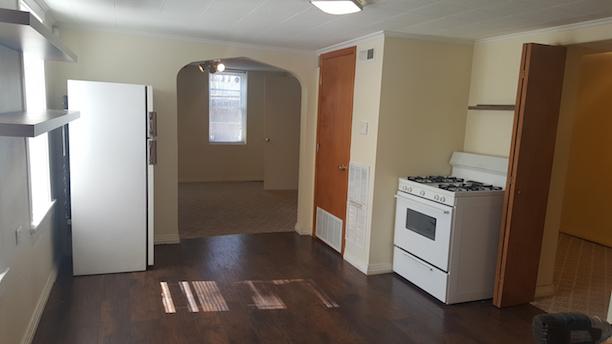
(211, 67)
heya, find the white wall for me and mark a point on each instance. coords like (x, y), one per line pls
(33, 263)
(494, 80)
(156, 60)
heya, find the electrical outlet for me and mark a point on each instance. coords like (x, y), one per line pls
(18, 233)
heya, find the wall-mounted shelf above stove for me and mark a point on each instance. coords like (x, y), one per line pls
(21, 31)
(491, 107)
(31, 124)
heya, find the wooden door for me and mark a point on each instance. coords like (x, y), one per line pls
(282, 132)
(335, 113)
(531, 155)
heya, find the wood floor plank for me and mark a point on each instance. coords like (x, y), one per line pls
(127, 308)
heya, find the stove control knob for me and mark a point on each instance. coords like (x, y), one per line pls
(436, 197)
(422, 193)
(443, 199)
(409, 189)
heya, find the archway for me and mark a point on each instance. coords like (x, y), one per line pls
(238, 145)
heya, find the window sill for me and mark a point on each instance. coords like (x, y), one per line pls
(227, 143)
(36, 224)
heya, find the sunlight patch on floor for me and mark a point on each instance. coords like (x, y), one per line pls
(205, 296)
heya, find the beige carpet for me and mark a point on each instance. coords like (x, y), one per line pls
(583, 278)
(207, 209)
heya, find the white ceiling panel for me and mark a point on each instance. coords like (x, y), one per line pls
(191, 7)
(297, 24)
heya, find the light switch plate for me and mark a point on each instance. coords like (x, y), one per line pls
(363, 128)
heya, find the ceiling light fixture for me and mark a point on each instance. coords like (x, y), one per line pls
(338, 7)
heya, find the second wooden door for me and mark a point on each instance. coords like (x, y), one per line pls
(531, 156)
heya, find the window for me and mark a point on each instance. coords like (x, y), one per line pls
(39, 174)
(227, 107)
(37, 147)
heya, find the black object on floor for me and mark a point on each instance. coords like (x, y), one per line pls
(570, 328)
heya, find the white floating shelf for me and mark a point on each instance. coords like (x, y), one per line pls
(31, 124)
(21, 31)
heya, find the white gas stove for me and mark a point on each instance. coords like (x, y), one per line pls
(446, 228)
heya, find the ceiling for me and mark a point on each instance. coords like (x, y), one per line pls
(298, 24)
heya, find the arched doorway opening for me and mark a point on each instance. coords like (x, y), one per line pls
(238, 144)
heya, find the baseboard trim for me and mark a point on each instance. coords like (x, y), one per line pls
(359, 265)
(40, 307)
(544, 291)
(380, 268)
(167, 239)
(302, 231)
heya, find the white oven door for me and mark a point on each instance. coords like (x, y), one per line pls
(423, 228)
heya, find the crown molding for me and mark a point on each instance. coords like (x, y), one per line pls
(429, 38)
(181, 37)
(395, 34)
(559, 28)
(350, 42)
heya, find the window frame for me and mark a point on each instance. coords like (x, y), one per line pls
(243, 104)
(36, 218)
(36, 222)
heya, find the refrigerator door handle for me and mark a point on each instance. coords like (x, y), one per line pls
(152, 153)
(152, 120)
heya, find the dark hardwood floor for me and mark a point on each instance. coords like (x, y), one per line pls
(127, 308)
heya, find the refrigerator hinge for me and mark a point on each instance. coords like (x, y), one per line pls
(152, 121)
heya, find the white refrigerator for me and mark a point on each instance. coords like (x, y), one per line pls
(112, 149)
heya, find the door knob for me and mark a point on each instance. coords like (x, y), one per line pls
(342, 167)
(267, 139)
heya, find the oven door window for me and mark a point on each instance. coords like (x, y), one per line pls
(421, 224)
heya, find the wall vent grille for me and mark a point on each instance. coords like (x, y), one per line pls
(329, 229)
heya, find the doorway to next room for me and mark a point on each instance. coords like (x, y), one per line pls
(579, 189)
(238, 136)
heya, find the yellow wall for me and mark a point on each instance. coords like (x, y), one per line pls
(422, 120)
(414, 104)
(587, 199)
(201, 161)
(495, 67)
(156, 60)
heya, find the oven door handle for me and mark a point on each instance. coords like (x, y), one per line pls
(443, 211)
